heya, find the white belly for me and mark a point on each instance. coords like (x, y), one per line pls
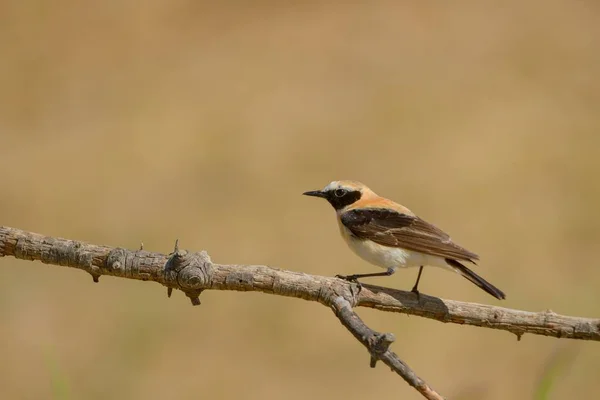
(391, 257)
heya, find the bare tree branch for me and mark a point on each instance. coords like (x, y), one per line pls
(546, 323)
(378, 345)
(194, 272)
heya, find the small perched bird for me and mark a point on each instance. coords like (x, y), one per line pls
(391, 236)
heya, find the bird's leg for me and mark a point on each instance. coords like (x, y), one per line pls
(415, 288)
(353, 278)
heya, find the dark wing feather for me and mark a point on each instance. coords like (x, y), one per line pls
(393, 229)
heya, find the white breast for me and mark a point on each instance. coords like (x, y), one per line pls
(389, 257)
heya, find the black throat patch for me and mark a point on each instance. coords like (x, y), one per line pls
(340, 202)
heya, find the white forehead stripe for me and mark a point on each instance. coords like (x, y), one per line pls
(331, 186)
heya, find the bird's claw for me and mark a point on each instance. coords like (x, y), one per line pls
(349, 278)
(415, 291)
(352, 279)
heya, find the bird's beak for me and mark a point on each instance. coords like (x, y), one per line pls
(315, 193)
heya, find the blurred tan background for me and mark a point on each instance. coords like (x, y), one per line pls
(122, 123)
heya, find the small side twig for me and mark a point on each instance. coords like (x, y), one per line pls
(378, 345)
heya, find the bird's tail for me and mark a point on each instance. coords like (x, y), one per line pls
(476, 279)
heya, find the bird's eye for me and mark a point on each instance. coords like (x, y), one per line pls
(340, 192)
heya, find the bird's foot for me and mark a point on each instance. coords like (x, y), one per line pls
(416, 291)
(349, 278)
(352, 279)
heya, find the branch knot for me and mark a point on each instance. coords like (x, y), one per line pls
(189, 272)
(378, 345)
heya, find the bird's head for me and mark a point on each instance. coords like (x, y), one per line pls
(341, 194)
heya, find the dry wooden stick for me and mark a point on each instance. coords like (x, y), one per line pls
(194, 272)
(378, 345)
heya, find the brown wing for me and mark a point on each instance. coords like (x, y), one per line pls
(391, 228)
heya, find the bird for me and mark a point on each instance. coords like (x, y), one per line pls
(391, 236)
